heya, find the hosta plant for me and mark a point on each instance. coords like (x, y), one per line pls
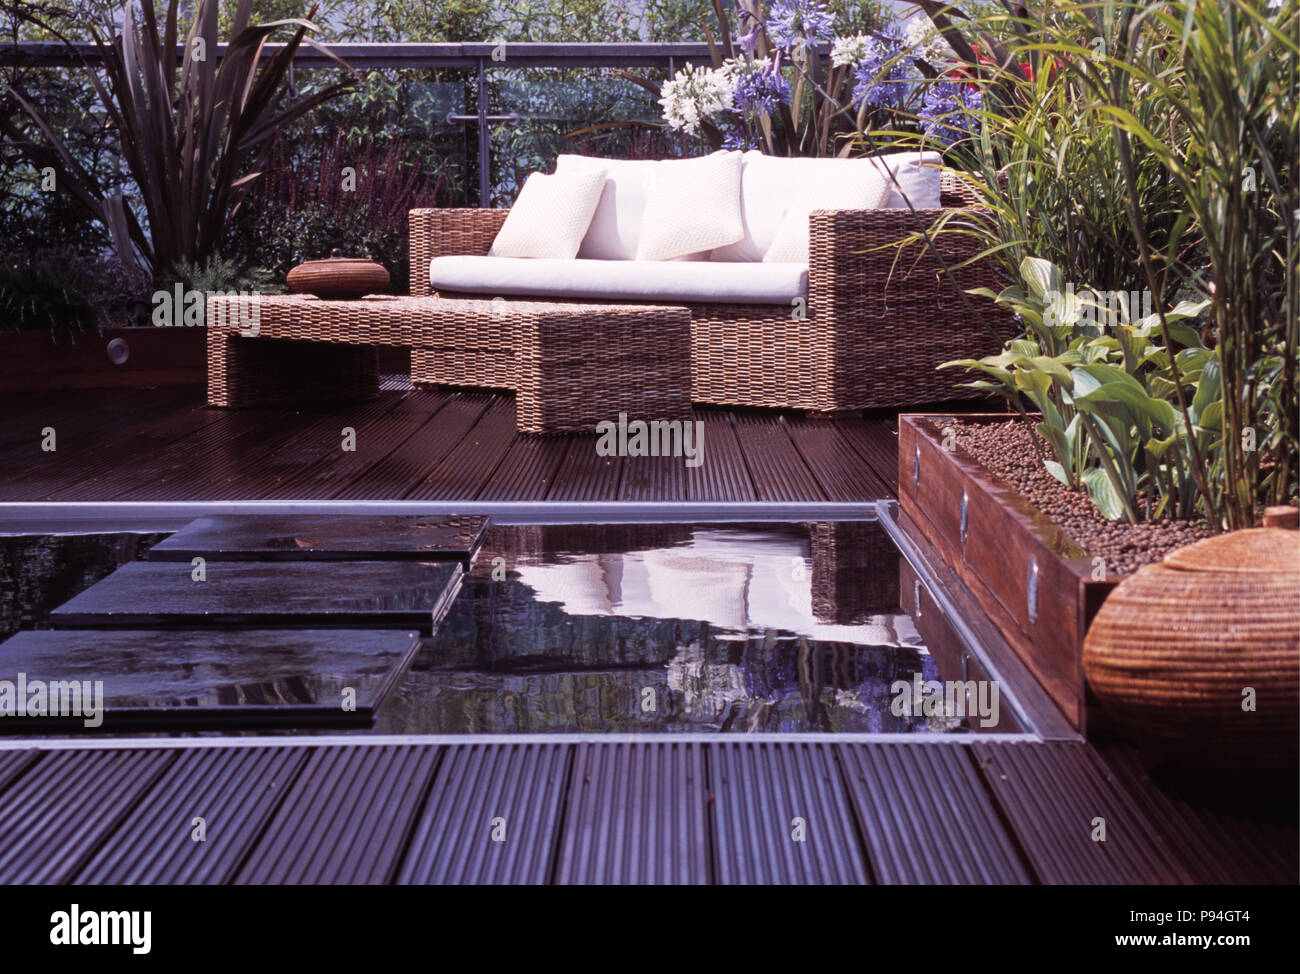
(1100, 380)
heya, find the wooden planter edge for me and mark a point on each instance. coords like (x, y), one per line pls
(1007, 548)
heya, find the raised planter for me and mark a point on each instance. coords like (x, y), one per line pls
(1031, 579)
(115, 357)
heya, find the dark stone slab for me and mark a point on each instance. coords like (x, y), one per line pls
(316, 537)
(213, 679)
(362, 593)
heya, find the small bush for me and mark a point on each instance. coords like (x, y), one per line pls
(61, 291)
(332, 195)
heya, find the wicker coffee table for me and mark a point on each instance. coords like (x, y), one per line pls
(570, 365)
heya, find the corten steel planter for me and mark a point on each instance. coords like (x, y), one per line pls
(116, 357)
(1200, 654)
(1033, 581)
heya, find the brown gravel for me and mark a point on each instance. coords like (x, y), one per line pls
(1007, 451)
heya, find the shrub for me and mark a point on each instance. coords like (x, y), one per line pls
(328, 194)
(59, 290)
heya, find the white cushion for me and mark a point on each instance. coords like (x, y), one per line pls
(616, 224)
(770, 184)
(550, 216)
(918, 175)
(792, 239)
(615, 229)
(693, 206)
(662, 282)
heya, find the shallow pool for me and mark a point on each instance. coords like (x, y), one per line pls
(673, 628)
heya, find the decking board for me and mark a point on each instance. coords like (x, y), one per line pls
(233, 790)
(492, 816)
(768, 794)
(441, 445)
(346, 819)
(1057, 797)
(54, 818)
(637, 814)
(925, 818)
(611, 812)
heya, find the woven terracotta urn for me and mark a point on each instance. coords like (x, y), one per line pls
(338, 277)
(1200, 654)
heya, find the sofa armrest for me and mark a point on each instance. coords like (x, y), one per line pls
(893, 317)
(850, 259)
(439, 232)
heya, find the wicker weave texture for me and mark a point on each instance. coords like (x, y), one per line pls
(571, 365)
(1171, 651)
(875, 327)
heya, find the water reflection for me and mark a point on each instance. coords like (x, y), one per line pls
(663, 628)
(41, 572)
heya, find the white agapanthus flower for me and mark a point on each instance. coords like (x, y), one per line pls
(849, 51)
(922, 38)
(697, 94)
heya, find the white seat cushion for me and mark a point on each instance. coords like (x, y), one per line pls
(551, 215)
(769, 185)
(662, 282)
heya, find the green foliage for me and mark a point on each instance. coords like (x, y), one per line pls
(1105, 389)
(58, 290)
(1152, 146)
(217, 274)
(187, 137)
(322, 194)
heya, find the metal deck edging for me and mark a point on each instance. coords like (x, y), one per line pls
(395, 740)
(1006, 689)
(103, 517)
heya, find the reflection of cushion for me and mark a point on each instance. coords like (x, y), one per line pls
(693, 205)
(791, 243)
(551, 215)
(693, 585)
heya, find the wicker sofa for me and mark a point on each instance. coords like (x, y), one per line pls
(875, 325)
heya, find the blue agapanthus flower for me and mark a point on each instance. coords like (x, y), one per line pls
(761, 89)
(881, 80)
(792, 22)
(947, 113)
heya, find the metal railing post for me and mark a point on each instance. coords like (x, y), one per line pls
(484, 140)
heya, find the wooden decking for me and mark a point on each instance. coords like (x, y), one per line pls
(616, 812)
(164, 444)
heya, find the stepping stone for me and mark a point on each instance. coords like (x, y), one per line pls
(319, 537)
(146, 595)
(186, 680)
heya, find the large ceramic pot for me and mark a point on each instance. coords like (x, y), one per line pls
(1200, 654)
